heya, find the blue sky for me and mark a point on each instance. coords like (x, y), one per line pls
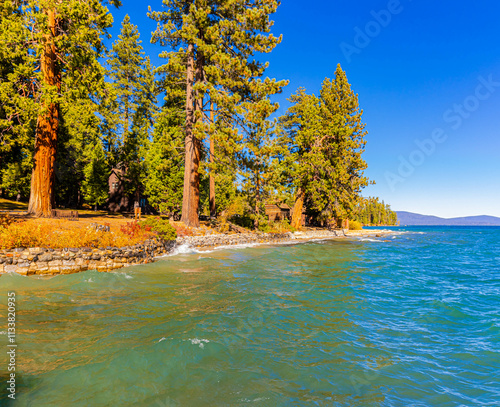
(421, 69)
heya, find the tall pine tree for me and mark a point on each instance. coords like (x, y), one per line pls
(133, 84)
(326, 139)
(212, 45)
(61, 42)
(258, 155)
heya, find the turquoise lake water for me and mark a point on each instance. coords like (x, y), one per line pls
(411, 319)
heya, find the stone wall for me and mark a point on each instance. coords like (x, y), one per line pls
(236, 239)
(42, 261)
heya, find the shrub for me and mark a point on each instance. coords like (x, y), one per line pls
(182, 230)
(355, 225)
(161, 227)
(6, 220)
(244, 221)
(134, 229)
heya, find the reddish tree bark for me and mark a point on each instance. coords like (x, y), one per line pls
(297, 210)
(213, 209)
(43, 176)
(191, 192)
(257, 200)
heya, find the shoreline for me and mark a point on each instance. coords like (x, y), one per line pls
(50, 262)
(205, 243)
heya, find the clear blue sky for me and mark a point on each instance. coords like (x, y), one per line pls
(416, 66)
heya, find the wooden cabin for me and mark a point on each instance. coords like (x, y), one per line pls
(278, 212)
(117, 200)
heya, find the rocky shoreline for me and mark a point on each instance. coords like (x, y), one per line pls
(43, 262)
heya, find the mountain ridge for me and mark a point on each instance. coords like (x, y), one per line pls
(415, 219)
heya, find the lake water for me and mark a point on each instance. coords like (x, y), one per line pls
(412, 319)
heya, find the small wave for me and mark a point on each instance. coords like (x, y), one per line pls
(367, 239)
(182, 249)
(3, 333)
(121, 273)
(200, 342)
(229, 246)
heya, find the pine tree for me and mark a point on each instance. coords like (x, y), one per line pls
(258, 155)
(213, 43)
(56, 49)
(326, 139)
(301, 126)
(372, 212)
(134, 91)
(95, 184)
(341, 145)
(163, 175)
(17, 108)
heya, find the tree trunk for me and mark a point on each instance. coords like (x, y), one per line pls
(213, 209)
(257, 201)
(191, 192)
(42, 180)
(297, 210)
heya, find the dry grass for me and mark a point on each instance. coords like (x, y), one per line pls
(20, 230)
(25, 231)
(58, 233)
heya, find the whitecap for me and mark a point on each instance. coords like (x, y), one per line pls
(200, 342)
(181, 249)
(184, 249)
(366, 239)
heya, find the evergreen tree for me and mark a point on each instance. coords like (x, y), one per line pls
(133, 84)
(372, 212)
(56, 46)
(95, 184)
(258, 155)
(17, 110)
(163, 175)
(326, 138)
(212, 44)
(301, 125)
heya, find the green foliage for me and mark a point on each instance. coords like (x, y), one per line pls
(24, 94)
(370, 211)
(161, 227)
(163, 175)
(95, 184)
(219, 40)
(258, 156)
(133, 98)
(325, 139)
(244, 221)
(15, 177)
(281, 226)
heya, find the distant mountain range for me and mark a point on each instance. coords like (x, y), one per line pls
(415, 219)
